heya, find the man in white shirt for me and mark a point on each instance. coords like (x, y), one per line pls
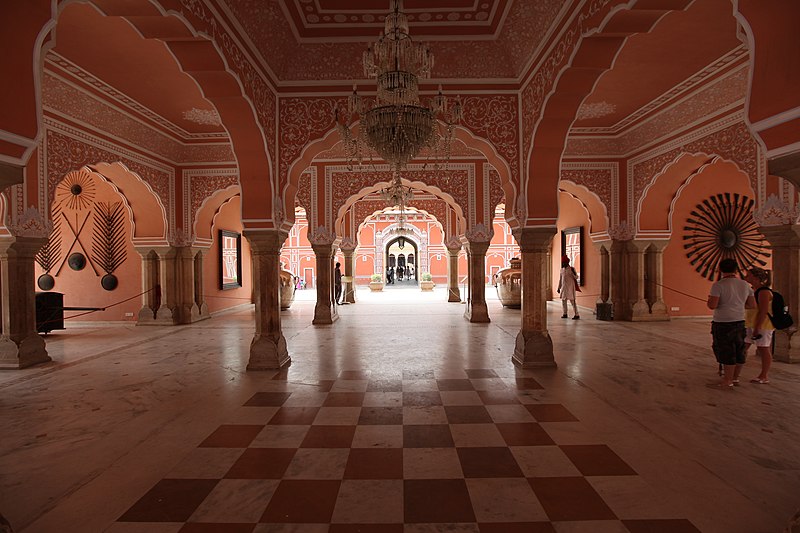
(728, 298)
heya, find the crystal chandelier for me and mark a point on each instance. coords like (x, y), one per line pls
(397, 126)
(397, 194)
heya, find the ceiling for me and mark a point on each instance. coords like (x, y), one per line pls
(312, 43)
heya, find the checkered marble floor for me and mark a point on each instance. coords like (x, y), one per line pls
(472, 450)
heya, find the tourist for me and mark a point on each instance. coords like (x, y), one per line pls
(337, 283)
(568, 288)
(759, 326)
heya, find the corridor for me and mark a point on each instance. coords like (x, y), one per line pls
(401, 416)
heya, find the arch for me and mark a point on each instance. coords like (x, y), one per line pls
(595, 208)
(190, 38)
(207, 213)
(651, 219)
(142, 202)
(331, 138)
(594, 54)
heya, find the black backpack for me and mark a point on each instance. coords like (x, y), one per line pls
(780, 317)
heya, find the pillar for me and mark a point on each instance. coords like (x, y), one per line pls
(199, 280)
(784, 241)
(534, 347)
(20, 344)
(268, 349)
(629, 275)
(187, 308)
(167, 312)
(453, 292)
(324, 311)
(655, 278)
(150, 296)
(476, 300)
(349, 287)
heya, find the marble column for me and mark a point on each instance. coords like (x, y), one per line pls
(476, 301)
(20, 345)
(655, 258)
(349, 287)
(784, 241)
(453, 292)
(629, 274)
(187, 310)
(167, 313)
(150, 298)
(268, 349)
(534, 347)
(324, 311)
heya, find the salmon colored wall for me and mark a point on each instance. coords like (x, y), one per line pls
(572, 213)
(679, 274)
(229, 218)
(82, 288)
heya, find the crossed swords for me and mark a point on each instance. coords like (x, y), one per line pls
(78, 241)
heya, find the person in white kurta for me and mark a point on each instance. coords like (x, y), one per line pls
(568, 287)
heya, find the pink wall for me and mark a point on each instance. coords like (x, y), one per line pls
(572, 214)
(228, 218)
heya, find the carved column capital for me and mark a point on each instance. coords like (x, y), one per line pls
(533, 240)
(265, 241)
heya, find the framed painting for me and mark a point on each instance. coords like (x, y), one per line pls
(230, 259)
(572, 247)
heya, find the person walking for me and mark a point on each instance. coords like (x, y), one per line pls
(568, 288)
(337, 283)
(759, 326)
(728, 298)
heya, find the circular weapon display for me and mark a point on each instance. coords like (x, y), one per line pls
(722, 227)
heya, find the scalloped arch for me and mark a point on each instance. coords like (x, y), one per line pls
(208, 211)
(595, 208)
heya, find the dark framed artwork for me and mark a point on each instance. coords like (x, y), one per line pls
(230, 259)
(572, 247)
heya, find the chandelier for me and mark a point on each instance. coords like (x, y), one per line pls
(397, 125)
(397, 194)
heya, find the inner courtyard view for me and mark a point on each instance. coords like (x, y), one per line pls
(398, 266)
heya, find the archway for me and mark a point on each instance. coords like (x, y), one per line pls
(401, 254)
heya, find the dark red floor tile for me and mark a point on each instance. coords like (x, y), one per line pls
(480, 373)
(436, 501)
(232, 436)
(354, 374)
(413, 375)
(430, 436)
(261, 463)
(454, 384)
(369, 463)
(385, 385)
(660, 526)
(302, 501)
(294, 416)
(488, 462)
(324, 385)
(570, 498)
(524, 434)
(366, 528)
(498, 397)
(467, 414)
(281, 375)
(170, 500)
(381, 416)
(344, 399)
(199, 527)
(597, 460)
(527, 384)
(329, 437)
(267, 399)
(517, 527)
(550, 412)
(422, 399)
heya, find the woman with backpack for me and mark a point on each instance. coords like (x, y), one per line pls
(759, 325)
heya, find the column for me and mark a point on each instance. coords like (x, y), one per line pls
(349, 287)
(268, 349)
(199, 279)
(188, 311)
(619, 274)
(603, 309)
(167, 313)
(655, 257)
(147, 314)
(784, 241)
(453, 292)
(534, 347)
(20, 344)
(324, 311)
(476, 301)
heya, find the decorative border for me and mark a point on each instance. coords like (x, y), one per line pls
(612, 203)
(192, 198)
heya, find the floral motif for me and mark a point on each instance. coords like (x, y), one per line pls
(776, 212)
(597, 180)
(591, 110)
(322, 236)
(453, 243)
(347, 244)
(203, 187)
(205, 117)
(31, 223)
(495, 119)
(622, 232)
(479, 233)
(302, 121)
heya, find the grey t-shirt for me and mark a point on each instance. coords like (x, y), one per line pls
(732, 293)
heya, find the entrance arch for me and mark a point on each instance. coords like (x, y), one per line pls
(402, 251)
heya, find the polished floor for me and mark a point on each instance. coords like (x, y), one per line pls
(399, 417)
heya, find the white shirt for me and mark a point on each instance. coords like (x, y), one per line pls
(732, 294)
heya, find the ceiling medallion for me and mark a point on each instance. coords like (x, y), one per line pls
(722, 227)
(397, 126)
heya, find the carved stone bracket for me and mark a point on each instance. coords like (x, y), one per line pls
(347, 244)
(322, 236)
(479, 233)
(776, 212)
(622, 232)
(453, 244)
(31, 223)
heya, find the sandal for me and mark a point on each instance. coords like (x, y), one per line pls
(759, 381)
(735, 382)
(720, 386)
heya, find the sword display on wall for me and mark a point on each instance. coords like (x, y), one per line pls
(77, 240)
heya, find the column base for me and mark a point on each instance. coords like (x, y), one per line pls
(267, 354)
(31, 351)
(324, 315)
(787, 348)
(146, 317)
(454, 295)
(534, 349)
(477, 313)
(165, 317)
